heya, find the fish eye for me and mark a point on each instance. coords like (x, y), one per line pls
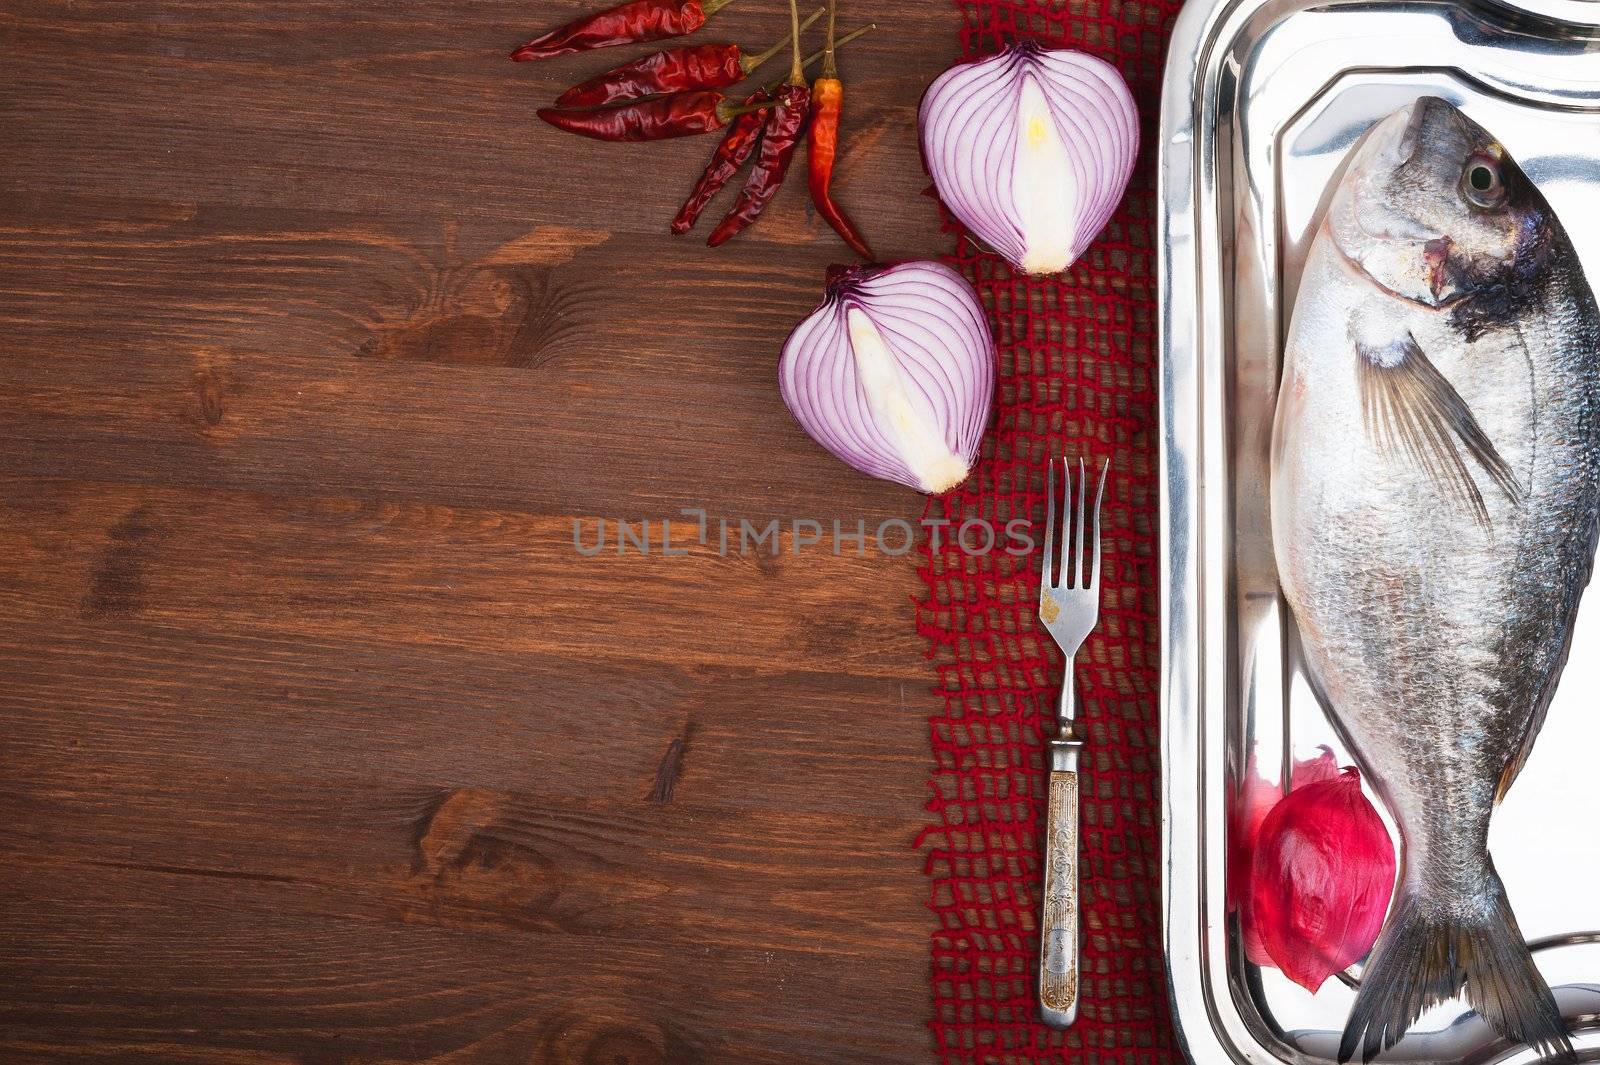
(1481, 182)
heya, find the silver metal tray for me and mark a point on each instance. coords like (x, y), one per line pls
(1262, 99)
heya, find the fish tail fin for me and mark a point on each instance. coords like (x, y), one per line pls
(1423, 958)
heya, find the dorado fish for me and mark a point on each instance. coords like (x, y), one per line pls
(1435, 489)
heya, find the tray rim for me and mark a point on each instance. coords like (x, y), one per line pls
(1210, 1027)
(1183, 933)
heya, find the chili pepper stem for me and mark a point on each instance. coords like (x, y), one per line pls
(811, 60)
(797, 73)
(728, 112)
(830, 69)
(711, 7)
(853, 34)
(750, 63)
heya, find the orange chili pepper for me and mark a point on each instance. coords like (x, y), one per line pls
(822, 146)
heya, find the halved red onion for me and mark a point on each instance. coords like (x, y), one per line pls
(894, 373)
(1031, 149)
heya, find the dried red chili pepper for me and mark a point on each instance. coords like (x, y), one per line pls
(779, 138)
(737, 144)
(700, 66)
(657, 118)
(822, 146)
(627, 23)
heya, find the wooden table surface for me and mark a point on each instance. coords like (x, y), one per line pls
(321, 742)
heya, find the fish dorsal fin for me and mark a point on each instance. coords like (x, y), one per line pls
(1407, 403)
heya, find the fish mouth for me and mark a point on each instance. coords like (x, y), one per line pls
(1436, 256)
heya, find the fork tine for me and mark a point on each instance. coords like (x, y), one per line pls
(1082, 519)
(1065, 579)
(1098, 494)
(1049, 530)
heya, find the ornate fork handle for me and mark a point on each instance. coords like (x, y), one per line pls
(1058, 935)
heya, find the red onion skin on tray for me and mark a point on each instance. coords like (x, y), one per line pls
(1311, 873)
(1256, 800)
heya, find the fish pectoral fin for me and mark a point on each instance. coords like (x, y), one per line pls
(1407, 403)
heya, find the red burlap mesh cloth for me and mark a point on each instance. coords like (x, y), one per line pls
(1077, 376)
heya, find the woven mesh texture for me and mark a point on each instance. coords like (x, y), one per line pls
(1077, 376)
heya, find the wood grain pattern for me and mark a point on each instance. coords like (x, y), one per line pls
(322, 742)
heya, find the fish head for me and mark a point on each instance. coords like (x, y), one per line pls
(1434, 210)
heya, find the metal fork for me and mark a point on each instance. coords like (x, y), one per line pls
(1069, 606)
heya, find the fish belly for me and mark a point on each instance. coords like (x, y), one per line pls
(1424, 628)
